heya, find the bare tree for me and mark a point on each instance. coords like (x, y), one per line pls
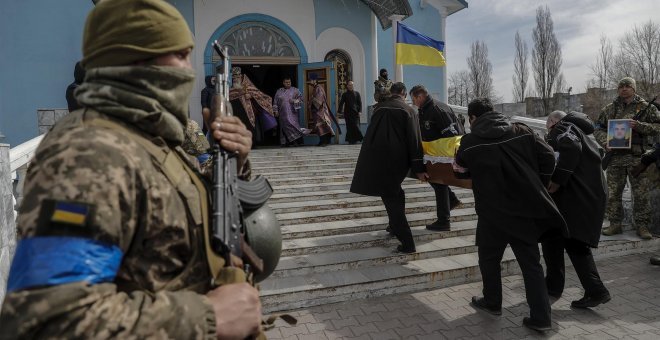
(481, 70)
(639, 57)
(601, 69)
(520, 70)
(460, 92)
(560, 84)
(546, 56)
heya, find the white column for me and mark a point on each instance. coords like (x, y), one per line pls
(398, 75)
(443, 36)
(374, 53)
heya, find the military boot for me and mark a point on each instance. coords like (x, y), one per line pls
(613, 229)
(644, 233)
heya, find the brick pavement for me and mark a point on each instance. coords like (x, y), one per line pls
(633, 313)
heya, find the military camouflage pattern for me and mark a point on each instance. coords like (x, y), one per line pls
(382, 89)
(195, 142)
(158, 291)
(624, 160)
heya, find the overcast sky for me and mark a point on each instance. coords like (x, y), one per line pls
(578, 26)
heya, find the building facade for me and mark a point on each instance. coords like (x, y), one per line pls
(340, 40)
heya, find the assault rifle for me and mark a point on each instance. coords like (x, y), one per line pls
(227, 222)
(636, 138)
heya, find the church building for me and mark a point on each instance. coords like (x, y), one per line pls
(336, 40)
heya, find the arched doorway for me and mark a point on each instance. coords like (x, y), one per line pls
(266, 49)
(343, 71)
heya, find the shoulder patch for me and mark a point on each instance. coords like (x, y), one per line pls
(68, 218)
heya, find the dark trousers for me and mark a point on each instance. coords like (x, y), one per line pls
(583, 262)
(528, 258)
(396, 213)
(442, 200)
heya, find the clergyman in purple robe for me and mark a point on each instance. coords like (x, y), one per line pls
(286, 106)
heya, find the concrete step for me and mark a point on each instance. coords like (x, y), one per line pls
(373, 256)
(309, 157)
(274, 173)
(279, 151)
(365, 212)
(330, 228)
(409, 185)
(314, 289)
(310, 196)
(266, 168)
(279, 181)
(376, 273)
(258, 164)
(367, 239)
(360, 201)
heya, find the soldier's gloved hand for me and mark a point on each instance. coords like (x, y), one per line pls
(233, 136)
(237, 311)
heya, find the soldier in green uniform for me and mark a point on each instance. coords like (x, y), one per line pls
(382, 87)
(112, 226)
(627, 106)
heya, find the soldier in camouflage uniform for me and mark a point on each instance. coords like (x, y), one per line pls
(111, 226)
(382, 86)
(196, 144)
(626, 106)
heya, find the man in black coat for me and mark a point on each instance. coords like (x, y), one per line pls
(391, 148)
(510, 167)
(437, 120)
(350, 105)
(578, 188)
(78, 77)
(207, 100)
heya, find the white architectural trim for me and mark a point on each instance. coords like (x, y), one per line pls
(343, 39)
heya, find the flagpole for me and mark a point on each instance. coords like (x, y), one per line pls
(398, 68)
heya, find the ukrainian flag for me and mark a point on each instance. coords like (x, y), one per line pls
(441, 150)
(71, 213)
(415, 48)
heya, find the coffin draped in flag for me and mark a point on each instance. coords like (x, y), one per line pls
(439, 157)
(415, 48)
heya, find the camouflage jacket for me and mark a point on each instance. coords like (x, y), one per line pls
(382, 89)
(158, 290)
(648, 126)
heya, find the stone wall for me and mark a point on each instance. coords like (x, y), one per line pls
(511, 109)
(7, 224)
(48, 117)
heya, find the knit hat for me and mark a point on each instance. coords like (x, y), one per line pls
(122, 32)
(628, 81)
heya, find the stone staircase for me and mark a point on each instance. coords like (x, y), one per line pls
(335, 247)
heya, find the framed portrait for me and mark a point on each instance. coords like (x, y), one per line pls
(619, 133)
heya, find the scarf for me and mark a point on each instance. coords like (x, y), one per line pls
(152, 98)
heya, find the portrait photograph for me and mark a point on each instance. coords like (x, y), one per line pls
(619, 133)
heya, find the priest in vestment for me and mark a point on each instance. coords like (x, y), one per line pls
(252, 106)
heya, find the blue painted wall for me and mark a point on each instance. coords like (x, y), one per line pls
(40, 42)
(353, 16)
(187, 10)
(427, 21)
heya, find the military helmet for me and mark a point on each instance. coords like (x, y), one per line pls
(263, 234)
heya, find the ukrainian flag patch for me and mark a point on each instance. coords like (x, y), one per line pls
(70, 213)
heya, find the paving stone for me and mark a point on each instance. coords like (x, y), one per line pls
(409, 331)
(364, 329)
(387, 335)
(289, 331)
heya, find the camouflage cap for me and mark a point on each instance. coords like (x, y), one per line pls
(628, 81)
(122, 32)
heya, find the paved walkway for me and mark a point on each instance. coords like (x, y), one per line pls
(633, 313)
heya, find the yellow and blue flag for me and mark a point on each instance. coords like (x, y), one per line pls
(415, 48)
(68, 212)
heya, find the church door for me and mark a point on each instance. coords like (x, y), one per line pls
(325, 76)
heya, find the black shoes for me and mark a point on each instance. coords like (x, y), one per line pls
(437, 226)
(479, 303)
(536, 325)
(455, 203)
(655, 260)
(591, 301)
(406, 250)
